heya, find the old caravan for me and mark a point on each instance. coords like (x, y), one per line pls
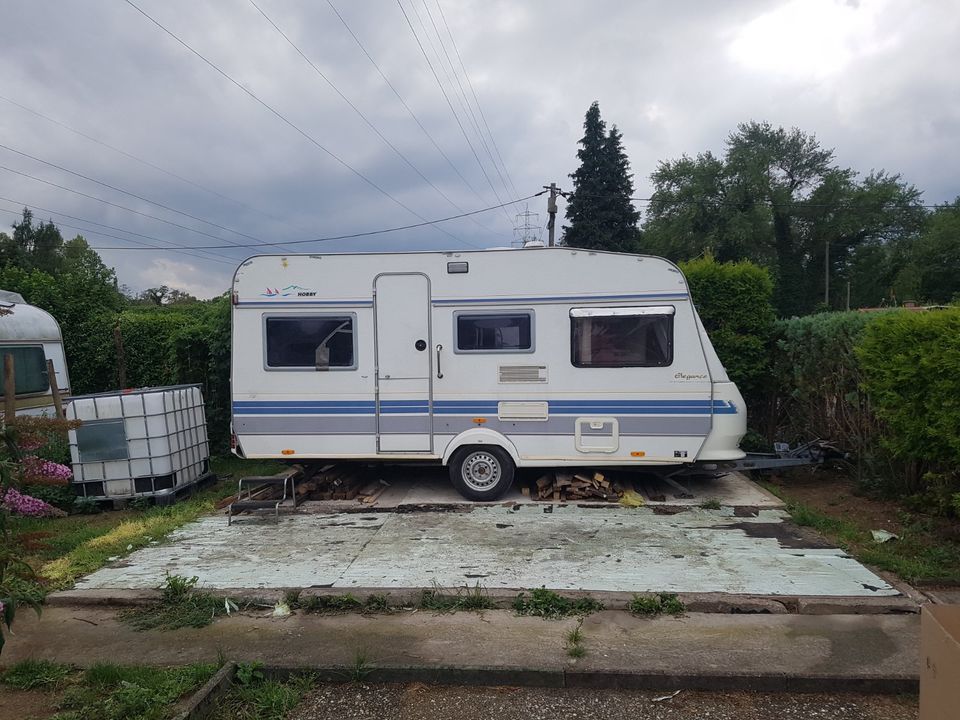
(32, 337)
(484, 361)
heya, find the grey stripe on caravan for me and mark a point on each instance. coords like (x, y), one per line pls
(695, 426)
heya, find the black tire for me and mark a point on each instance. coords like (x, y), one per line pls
(482, 472)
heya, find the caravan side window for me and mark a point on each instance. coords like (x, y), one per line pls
(29, 368)
(494, 332)
(622, 337)
(316, 342)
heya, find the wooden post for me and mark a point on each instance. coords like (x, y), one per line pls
(9, 389)
(55, 390)
(121, 357)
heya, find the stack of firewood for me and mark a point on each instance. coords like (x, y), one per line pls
(342, 482)
(561, 486)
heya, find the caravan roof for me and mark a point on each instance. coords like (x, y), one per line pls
(20, 322)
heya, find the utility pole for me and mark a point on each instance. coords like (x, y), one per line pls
(826, 274)
(551, 210)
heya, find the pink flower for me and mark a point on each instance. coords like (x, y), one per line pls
(45, 472)
(20, 504)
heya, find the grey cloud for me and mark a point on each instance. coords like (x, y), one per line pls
(663, 73)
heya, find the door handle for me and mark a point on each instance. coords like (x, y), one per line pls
(439, 373)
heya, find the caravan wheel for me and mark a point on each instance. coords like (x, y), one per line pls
(481, 472)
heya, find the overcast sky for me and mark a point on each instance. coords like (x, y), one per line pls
(874, 79)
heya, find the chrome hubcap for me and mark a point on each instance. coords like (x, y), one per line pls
(481, 471)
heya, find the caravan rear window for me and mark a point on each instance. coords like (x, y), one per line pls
(622, 337)
(494, 332)
(29, 368)
(318, 342)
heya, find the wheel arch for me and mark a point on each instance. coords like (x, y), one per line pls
(480, 436)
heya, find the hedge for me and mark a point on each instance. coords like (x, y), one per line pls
(818, 381)
(734, 301)
(911, 372)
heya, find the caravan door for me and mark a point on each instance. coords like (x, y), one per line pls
(404, 363)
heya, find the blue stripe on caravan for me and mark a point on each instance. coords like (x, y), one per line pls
(560, 298)
(481, 407)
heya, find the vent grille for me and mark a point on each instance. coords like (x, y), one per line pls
(523, 373)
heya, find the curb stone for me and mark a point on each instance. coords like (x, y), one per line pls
(721, 603)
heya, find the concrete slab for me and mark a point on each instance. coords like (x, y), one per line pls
(612, 549)
(760, 652)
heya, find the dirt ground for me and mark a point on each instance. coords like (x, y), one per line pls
(837, 495)
(27, 704)
(422, 702)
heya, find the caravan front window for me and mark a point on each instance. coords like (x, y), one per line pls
(317, 342)
(29, 368)
(622, 337)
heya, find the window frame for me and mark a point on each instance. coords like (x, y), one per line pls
(495, 313)
(4, 349)
(352, 316)
(669, 311)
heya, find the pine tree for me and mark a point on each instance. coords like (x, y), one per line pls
(599, 209)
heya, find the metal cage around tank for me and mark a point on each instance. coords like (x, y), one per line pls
(147, 442)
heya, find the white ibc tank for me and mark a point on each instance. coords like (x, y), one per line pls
(150, 441)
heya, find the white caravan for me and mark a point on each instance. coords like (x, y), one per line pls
(484, 361)
(32, 336)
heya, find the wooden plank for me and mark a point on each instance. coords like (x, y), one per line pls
(55, 390)
(545, 481)
(9, 388)
(525, 491)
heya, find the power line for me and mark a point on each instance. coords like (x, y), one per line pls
(100, 233)
(407, 107)
(355, 108)
(116, 205)
(177, 247)
(367, 233)
(465, 102)
(450, 105)
(281, 117)
(131, 194)
(475, 98)
(147, 163)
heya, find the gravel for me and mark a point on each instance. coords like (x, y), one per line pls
(423, 702)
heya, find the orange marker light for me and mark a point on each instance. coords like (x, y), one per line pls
(479, 421)
(637, 453)
(287, 452)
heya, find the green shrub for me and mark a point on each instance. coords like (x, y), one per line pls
(910, 365)
(818, 378)
(734, 303)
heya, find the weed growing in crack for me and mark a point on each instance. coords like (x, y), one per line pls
(548, 604)
(462, 598)
(660, 604)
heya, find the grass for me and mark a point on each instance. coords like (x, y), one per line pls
(574, 642)
(181, 605)
(712, 504)
(362, 666)
(110, 692)
(33, 674)
(65, 549)
(548, 604)
(254, 696)
(919, 555)
(462, 598)
(652, 605)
